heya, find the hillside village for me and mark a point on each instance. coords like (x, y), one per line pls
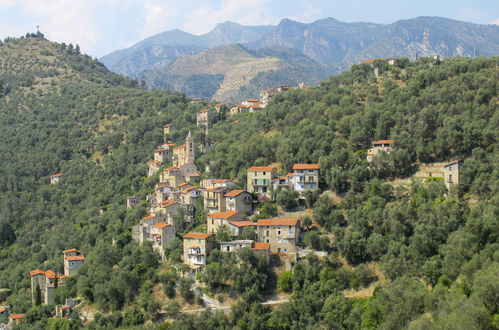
(365, 202)
(230, 213)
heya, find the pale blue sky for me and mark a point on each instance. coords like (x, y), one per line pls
(101, 26)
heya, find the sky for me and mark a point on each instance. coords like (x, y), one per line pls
(101, 26)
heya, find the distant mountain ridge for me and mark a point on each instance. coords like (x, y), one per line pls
(325, 46)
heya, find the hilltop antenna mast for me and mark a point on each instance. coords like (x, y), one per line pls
(38, 29)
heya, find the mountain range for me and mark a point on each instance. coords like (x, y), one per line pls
(288, 53)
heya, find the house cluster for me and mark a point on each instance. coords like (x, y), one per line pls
(180, 190)
(44, 284)
(56, 178)
(252, 105)
(263, 179)
(272, 236)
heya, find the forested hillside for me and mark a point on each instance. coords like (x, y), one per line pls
(398, 256)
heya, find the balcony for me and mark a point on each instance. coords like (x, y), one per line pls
(196, 251)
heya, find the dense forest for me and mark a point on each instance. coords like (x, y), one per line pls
(433, 254)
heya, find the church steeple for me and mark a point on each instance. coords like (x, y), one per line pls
(191, 152)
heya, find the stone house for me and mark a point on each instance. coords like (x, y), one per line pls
(132, 202)
(205, 146)
(48, 282)
(160, 235)
(452, 173)
(259, 179)
(281, 233)
(73, 259)
(162, 192)
(203, 118)
(250, 102)
(220, 219)
(172, 176)
(196, 249)
(15, 319)
(189, 196)
(263, 248)
(214, 199)
(305, 177)
(162, 154)
(239, 200)
(282, 182)
(236, 227)
(56, 178)
(379, 145)
(167, 129)
(167, 210)
(153, 167)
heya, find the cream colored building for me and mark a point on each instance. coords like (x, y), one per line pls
(56, 178)
(281, 233)
(214, 199)
(196, 249)
(185, 154)
(305, 177)
(220, 219)
(379, 145)
(260, 179)
(214, 183)
(46, 282)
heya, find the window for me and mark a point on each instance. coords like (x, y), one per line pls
(279, 232)
(263, 173)
(72, 263)
(285, 250)
(264, 189)
(228, 248)
(289, 227)
(267, 241)
(268, 233)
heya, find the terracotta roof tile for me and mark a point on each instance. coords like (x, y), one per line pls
(261, 246)
(197, 235)
(168, 203)
(278, 222)
(56, 175)
(36, 272)
(260, 169)
(242, 223)
(161, 225)
(75, 258)
(71, 250)
(306, 167)
(223, 215)
(234, 193)
(16, 316)
(383, 142)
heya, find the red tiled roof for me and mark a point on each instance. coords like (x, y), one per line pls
(75, 258)
(260, 169)
(161, 150)
(167, 125)
(56, 175)
(234, 193)
(204, 110)
(2, 309)
(368, 61)
(168, 203)
(252, 100)
(306, 167)
(16, 316)
(223, 215)
(242, 223)
(278, 222)
(172, 169)
(383, 142)
(183, 184)
(71, 250)
(161, 225)
(36, 272)
(162, 186)
(150, 216)
(191, 174)
(186, 190)
(197, 235)
(261, 246)
(50, 274)
(219, 180)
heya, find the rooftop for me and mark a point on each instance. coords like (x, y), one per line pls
(234, 193)
(284, 221)
(223, 215)
(306, 167)
(383, 142)
(242, 223)
(71, 250)
(261, 169)
(75, 258)
(197, 235)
